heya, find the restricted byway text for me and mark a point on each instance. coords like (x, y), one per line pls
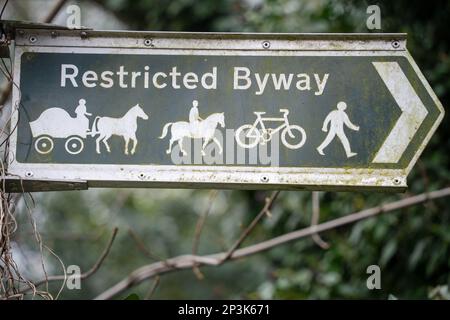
(243, 79)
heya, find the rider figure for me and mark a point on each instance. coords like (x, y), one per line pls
(194, 117)
(82, 115)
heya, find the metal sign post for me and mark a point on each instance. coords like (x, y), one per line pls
(161, 109)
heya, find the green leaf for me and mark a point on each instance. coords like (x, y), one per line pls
(132, 296)
(388, 252)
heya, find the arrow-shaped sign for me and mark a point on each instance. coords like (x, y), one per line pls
(314, 111)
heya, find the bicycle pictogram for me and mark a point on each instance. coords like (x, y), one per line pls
(250, 135)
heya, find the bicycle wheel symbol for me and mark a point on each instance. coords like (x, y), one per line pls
(292, 137)
(296, 133)
(247, 136)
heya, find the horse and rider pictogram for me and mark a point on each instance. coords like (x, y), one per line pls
(196, 128)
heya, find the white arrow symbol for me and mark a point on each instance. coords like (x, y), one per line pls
(413, 112)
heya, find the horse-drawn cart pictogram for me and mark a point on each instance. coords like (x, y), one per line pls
(56, 123)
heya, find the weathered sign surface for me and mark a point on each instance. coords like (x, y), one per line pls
(219, 110)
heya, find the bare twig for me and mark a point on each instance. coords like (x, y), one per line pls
(76, 236)
(6, 91)
(153, 288)
(252, 225)
(12, 276)
(86, 274)
(54, 11)
(141, 246)
(315, 220)
(198, 231)
(187, 261)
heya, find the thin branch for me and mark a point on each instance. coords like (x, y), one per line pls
(141, 246)
(13, 277)
(264, 211)
(6, 91)
(315, 216)
(187, 261)
(153, 288)
(198, 231)
(54, 11)
(86, 274)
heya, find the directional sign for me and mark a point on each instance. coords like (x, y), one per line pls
(315, 111)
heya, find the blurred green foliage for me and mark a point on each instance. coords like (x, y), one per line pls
(412, 249)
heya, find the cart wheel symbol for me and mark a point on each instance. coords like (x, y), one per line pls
(44, 145)
(74, 145)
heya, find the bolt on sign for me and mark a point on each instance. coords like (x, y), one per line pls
(159, 109)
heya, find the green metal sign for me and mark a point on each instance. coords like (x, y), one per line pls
(219, 110)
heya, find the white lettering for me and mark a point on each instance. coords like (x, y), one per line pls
(261, 84)
(107, 81)
(122, 73)
(189, 80)
(303, 83)
(245, 77)
(71, 77)
(89, 79)
(320, 83)
(174, 74)
(134, 75)
(213, 76)
(155, 80)
(282, 81)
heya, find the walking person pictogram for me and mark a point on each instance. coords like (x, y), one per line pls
(337, 119)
